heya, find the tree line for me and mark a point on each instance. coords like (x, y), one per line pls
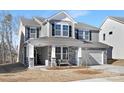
(8, 37)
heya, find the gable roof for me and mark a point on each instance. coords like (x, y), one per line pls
(118, 19)
(86, 26)
(63, 13)
(29, 22)
(35, 21)
(41, 19)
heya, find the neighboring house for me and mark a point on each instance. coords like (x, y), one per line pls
(112, 33)
(59, 39)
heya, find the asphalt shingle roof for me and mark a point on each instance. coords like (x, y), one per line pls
(48, 41)
(118, 19)
(29, 22)
(85, 26)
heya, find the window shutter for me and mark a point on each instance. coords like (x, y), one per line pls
(76, 33)
(90, 35)
(70, 31)
(38, 29)
(28, 29)
(53, 30)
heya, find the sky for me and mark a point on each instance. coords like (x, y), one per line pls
(92, 17)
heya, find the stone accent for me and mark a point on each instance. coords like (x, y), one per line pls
(53, 62)
(79, 56)
(31, 62)
(79, 62)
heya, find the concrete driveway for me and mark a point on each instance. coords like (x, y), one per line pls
(110, 68)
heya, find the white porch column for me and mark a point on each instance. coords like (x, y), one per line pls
(48, 29)
(31, 55)
(79, 56)
(104, 57)
(53, 56)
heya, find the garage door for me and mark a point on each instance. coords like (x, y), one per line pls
(92, 57)
(97, 56)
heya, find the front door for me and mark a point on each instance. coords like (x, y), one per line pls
(38, 57)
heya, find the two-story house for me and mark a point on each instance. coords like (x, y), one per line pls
(112, 33)
(57, 40)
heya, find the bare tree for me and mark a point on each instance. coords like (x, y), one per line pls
(8, 30)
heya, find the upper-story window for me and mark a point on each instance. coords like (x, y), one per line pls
(82, 35)
(110, 33)
(57, 30)
(33, 32)
(86, 35)
(60, 29)
(104, 36)
(65, 30)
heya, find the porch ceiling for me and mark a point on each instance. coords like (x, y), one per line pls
(59, 41)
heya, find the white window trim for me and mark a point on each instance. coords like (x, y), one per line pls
(61, 47)
(33, 33)
(61, 33)
(62, 30)
(84, 35)
(55, 29)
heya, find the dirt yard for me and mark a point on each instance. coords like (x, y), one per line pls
(18, 73)
(116, 62)
(119, 63)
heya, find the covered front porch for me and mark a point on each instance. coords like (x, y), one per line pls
(52, 56)
(58, 51)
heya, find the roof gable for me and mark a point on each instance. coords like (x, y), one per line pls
(117, 19)
(62, 16)
(29, 22)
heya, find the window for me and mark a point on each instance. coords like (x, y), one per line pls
(58, 52)
(86, 35)
(65, 30)
(33, 33)
(103, 36)
(80, 34)
(65, 53)
(61, 53)
(32, 30)
(60, 29)
(110, 33)
(57, 30)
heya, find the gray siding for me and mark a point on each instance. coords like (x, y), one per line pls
(95, 36)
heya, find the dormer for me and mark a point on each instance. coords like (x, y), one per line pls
(59, 25)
